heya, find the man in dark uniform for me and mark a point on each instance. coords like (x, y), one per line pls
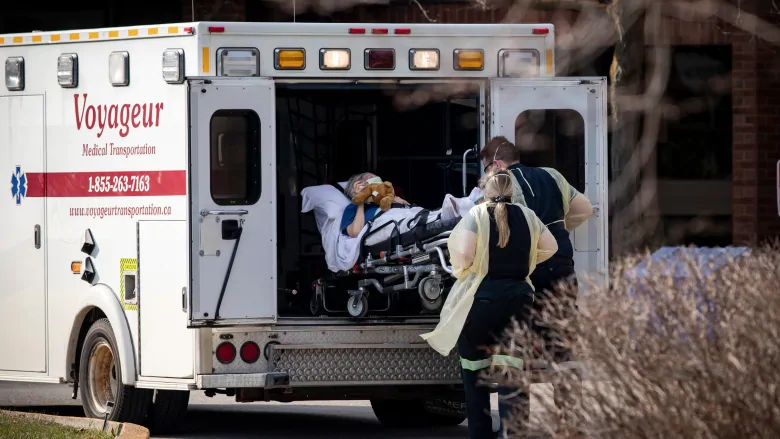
(559, 205)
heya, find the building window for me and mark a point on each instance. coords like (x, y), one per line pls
(235, 157)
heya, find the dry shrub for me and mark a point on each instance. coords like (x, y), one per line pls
(664, 356)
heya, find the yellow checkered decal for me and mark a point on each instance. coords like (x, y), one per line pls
(126, 264)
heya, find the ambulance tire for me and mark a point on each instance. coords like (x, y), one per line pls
(167, 410)
(400, 413)
(99, 354)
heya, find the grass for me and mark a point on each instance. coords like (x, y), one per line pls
(18, 427)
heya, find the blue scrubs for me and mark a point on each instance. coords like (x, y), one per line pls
(350, 212)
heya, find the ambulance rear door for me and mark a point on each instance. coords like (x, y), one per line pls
(233, 212)
(562, 123)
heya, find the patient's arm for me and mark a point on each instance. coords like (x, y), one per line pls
(353, 230)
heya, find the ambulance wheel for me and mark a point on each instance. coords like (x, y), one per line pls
(357, 306)
(100, 379)
(399, 413)
(167, 410)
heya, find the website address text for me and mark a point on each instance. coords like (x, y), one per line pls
(131, 211)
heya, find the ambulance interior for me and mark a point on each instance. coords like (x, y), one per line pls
(411, 135)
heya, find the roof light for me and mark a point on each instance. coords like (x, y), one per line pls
(238, 62)
(469, 59)
(216, 29)
(424, 59)
(289, 59)
(403, 31)
(173, 66)
(68, 70)
(14, 73)
(334, 59)
(188, 30)
(379, 31)
(380, 59)
(119, 68)
(357, 30)
(541, 31)
(518, 63)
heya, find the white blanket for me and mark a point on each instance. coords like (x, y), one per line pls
(341, 251)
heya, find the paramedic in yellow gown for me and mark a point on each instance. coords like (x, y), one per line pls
(493, 251)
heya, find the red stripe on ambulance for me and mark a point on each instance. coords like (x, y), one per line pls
(107, 184)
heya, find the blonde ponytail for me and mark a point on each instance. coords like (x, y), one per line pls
(502, 223)
(498, 191)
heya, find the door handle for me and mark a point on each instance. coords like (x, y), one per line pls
(37, 236)
(207, 212)
(184, 299)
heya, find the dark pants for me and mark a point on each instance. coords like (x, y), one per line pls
(495, 304)
(545, 277)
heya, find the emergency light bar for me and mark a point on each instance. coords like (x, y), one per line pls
(424, 59)
(68, 70)
(518, 63)
(289, 59)
(238, 62)
(14, 73)
(173, 66)
(380, 59)
(469, 59)
(119, 69)
(335, 59)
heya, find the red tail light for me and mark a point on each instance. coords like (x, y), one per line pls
(380, 59)
(216, 29)
(357, 30)
(403, 31)
(541, 31)
(226, 352)
(250, 352)
(379, 31)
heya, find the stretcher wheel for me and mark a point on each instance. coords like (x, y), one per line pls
(315, 304)
(433, 305)
(430, 294)
(357, 306)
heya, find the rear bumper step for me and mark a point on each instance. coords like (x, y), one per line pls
(273, 380)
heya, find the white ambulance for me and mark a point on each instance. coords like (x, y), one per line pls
(169, 189)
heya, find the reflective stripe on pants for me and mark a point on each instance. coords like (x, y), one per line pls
(493, 360)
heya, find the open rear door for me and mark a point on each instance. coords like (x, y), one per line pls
(233, 185)
(562, 123)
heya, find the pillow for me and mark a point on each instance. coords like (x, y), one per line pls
(326, 201)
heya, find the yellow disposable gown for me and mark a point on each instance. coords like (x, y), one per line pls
(468, 247)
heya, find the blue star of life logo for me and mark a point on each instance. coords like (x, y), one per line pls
(18, 185)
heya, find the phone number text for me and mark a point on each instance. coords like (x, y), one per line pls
(119, 183)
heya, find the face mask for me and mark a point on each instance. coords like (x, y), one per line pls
(374, 180)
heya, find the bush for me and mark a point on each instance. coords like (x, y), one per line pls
(664, 356)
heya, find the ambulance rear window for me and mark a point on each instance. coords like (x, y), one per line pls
(235, 157)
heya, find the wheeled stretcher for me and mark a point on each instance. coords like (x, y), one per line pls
(400, 257)
(416, 260)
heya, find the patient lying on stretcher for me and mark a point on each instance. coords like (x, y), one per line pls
(356, 215)
(344, 228)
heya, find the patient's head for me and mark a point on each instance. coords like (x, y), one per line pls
(357, 182)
